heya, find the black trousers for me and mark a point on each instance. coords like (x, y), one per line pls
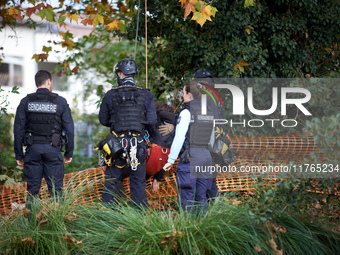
(43, 160)
(114, 174)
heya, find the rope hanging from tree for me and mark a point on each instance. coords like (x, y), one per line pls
(146, 44)
(134, 58)
(146, 40)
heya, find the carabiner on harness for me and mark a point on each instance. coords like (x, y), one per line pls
(124, 142)
(133, 153)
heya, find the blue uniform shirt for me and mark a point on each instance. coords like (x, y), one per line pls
(20, 122)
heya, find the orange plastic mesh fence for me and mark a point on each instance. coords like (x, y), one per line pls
(250, 152)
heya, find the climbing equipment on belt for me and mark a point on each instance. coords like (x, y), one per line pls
(133, 153)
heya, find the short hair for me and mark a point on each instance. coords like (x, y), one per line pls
(41, 77)
(193, 89)
(163, 106)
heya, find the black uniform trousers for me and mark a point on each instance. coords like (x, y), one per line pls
(114, 174)
(43, 160)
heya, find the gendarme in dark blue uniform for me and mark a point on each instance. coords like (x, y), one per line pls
(128, 110)
(205, 77)
(192, 137)
(39, 121)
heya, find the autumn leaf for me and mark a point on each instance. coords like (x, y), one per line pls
(199, 18)
(75, 70)
(42, 222)
(123, 9)
(241, 65)
(248, 3)
(213, 11)
(168, 239)
(74, 17)
(28, 241)
(182, 2)
(206, 10)
(30, 11)
(12, 11)
(67, 43)
(89, 9)
(189, 7)
(69, 238)
(97, 19)
(61, 3)
(66, 35)
(15, 13)
(47, 49)
(86, 22)
(39, 6)
(41, 57)
(248, 29)
(112, 25)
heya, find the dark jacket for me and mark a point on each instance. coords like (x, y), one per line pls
(20, 122)
(106, 108)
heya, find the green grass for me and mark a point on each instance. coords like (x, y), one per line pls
(68, 228)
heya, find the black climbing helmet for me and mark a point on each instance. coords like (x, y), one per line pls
(126, 66)
(202, 73)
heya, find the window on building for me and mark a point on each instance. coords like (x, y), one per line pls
(11, 72)
(59, 83)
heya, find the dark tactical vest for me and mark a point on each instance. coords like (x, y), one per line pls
(43, 118)
(201, 126)
(129, 113)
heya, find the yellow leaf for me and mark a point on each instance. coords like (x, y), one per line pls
(213, 11)
(62, 34)
(97, 19)
(248, 29)
(241, 65)
(12, 11)
(199, 18)
(248, 3)
(42, 57)
(36, 57)
(89, 8)
(63, 24)
(74, 17)
(182, 2)
(67, 43)
(112, 25)
(206, 10)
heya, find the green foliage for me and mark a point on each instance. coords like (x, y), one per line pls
(276, 39)
(299, 198)
(68, 228)
(327, 137)
(83, 139)
(9, 172)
